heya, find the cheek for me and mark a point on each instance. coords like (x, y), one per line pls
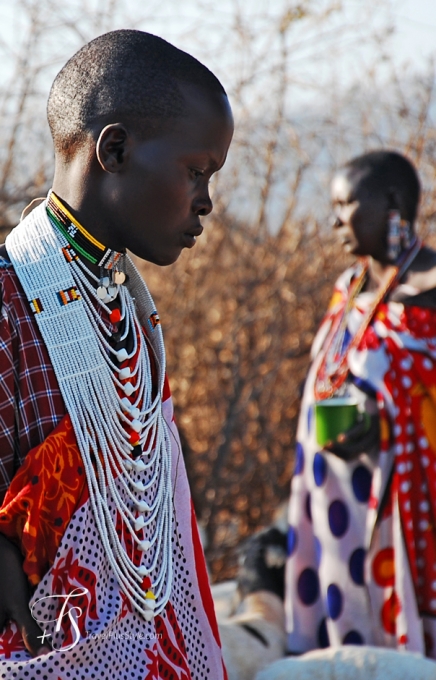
(169, 195)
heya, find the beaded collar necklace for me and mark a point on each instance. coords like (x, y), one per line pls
(334, 369)
(108, 392)
(112, 263)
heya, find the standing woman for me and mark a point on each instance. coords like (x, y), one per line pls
(362, 536)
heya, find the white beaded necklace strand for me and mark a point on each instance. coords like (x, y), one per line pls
(139, 490)
(123, 509)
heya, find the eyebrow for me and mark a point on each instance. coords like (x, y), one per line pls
(212, 164)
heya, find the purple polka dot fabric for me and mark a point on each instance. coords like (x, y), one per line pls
(348, 579)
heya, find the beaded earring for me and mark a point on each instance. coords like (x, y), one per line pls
(394, 235)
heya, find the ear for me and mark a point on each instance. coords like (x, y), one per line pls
(111, 147)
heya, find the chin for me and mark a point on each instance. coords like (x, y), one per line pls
(352, 249)
(161, 260)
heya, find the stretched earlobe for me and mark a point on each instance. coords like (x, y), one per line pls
(111, 147)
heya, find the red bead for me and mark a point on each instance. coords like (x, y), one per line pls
(146, 583)
(115, 316)
(134, 438)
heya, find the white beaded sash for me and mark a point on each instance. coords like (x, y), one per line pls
(87, 387)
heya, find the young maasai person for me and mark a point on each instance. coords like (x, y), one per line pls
(362, 540)
(96, 498)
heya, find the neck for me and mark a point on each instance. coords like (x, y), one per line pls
(377, 272)
(109, 264)
(80, 194)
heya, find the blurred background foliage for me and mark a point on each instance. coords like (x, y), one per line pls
(312, 83)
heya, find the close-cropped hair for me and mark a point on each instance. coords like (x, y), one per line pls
(386, 170)
(124, 75)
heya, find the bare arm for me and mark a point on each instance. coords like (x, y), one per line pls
(14, 598)
(361, 438)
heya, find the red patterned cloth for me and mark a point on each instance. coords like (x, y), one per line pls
(362, 538)
(42, 497)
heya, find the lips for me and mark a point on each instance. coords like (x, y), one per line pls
(343, 236)
(189, 238)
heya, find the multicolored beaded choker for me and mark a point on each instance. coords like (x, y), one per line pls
(333, 369)
(111, 262)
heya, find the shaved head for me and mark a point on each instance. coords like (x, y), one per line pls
(124, 76)
(385, 171)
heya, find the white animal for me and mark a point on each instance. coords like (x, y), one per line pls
(255, 636)
(351, 663)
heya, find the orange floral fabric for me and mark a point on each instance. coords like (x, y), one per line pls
(42, 497)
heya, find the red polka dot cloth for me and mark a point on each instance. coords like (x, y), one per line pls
(361, 563)
(76, 599)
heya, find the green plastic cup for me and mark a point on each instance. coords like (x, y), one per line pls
(333, 417)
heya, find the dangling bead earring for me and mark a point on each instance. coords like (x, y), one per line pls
(394, 235)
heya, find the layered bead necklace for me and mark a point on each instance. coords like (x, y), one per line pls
(128, 466)
(333, 369)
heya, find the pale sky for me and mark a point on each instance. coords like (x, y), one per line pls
(414, 40)
(416, 30)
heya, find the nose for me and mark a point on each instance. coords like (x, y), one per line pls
(203, 203)
(337, 222)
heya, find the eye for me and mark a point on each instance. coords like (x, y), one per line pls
(196, 173)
